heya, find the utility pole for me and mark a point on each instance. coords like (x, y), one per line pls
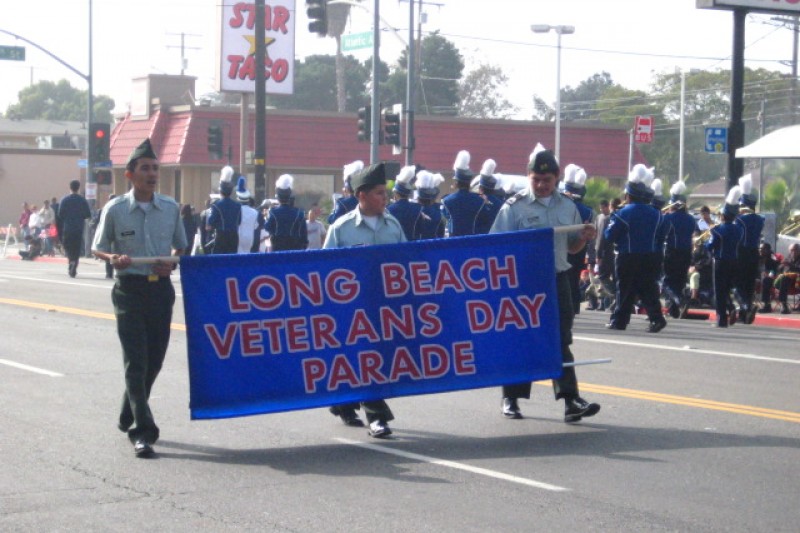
(375, 119)
(183, 47)
(410, 81)
(259, 150)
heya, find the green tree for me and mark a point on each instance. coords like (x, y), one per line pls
(47, 100)
(579, 103)
(441, 68)
(597, 189)
(782, 194)
(480, 94)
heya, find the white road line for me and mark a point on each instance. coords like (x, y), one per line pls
(31, 368)
(106, 286)
(689, 350)
(453, 464)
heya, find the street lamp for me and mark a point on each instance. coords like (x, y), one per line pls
(560, 30)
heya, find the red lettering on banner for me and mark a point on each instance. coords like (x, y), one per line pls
(235, 61)
(394, 280)
(297, 287)
(275, 18)
(437, 368)
(297, 334)
(273, 327)
(271, 302)
(532, 306)
(251, 338)
(342, 372)
(322, 329)
(403, 365)
(370, 364)
(431, 324)
(280, 16)
(234, 303)
(508, 314)
(463, 358)
(391, 322)
(341, 286)
(421, 277)
(466, 274)
(313, 371)
(508, 271)
(222, 345)
(446, 278)
(361, 327)
(480, 316)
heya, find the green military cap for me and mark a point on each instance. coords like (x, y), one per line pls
(143, 150)
(371, 175)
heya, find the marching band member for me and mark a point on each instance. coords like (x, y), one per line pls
(747, 273)
(678, 250)
(723, 244)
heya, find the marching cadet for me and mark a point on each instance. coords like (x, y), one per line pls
(403, 209)
(490, 190)
(748, 256)
(286, 224)
(723, 244)
(348, 202)
(678, 250)
(575, 189)
(464, 210)
(638, 232)
(658, 194)
(541, 206)
(432, 224)
(224, 217)
(366, 225)
(141, 223)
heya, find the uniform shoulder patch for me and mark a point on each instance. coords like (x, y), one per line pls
(514, 198)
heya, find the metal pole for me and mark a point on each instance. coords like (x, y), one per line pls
(683, 123)
(630, 150)
(375, 118)
(763, 125)
(244, 114)
(795, 29)
(89, 114)
(410, 87)
(259, 150)
(736, 127)
(558, 98)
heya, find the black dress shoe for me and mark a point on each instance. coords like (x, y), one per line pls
(612, 325)
(348, 416)
(674, 310)
(143, 449)
(657, 325)
(766, 309)
(511, 409)
(750, 317)
(379, 429)
(577, 408)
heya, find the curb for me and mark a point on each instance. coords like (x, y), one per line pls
(776, 320)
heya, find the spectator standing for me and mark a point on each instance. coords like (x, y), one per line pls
(72, 214)
(47, 219)
(249, 224)
(24, 229)
(315, 229)
(189, 226)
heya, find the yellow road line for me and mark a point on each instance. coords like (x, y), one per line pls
(786, 416)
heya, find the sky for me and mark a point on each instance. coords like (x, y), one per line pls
(629, 39)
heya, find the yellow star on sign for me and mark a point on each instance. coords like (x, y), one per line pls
(252, 40)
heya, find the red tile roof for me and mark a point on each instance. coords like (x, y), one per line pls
(316, 141)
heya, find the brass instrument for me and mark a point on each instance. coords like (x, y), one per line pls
(792, 225)
(703, 237)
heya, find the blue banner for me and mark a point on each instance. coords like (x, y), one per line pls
(296, 330)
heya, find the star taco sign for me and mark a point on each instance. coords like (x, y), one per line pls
(237, 70)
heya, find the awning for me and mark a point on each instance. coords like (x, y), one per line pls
(780, 144)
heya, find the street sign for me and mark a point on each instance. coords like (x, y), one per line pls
(12, 53)
(97, 164)
(356, 41)
(82, 163)
(643, 129)
(717, 140)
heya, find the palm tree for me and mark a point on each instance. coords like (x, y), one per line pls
(337, 20)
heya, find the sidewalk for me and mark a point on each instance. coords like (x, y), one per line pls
(774, 319)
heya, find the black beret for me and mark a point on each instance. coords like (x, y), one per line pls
(371, 175)
(143, 150)
(545, 162)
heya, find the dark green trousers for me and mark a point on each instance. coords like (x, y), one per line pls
(144, 314)
(567, 385)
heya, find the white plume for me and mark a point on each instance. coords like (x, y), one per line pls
(512, 183)
(488, 167)
(648, 177)
(285, 181)
(638, 174)
(352, 168)
(406, 176)
(428, 180)
(733, 195)
(569, 172)
(746, 184)
(658, 187)
(538, 148)
(462, 161)
(679, 189)
(226, 175)
(580, 177)
(473, 185)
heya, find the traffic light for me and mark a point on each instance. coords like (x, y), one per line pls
(100, 142)
(364, 124)
(391, 127)
(317, 11)
(215, 141)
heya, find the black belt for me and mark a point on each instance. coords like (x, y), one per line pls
(139, 279)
